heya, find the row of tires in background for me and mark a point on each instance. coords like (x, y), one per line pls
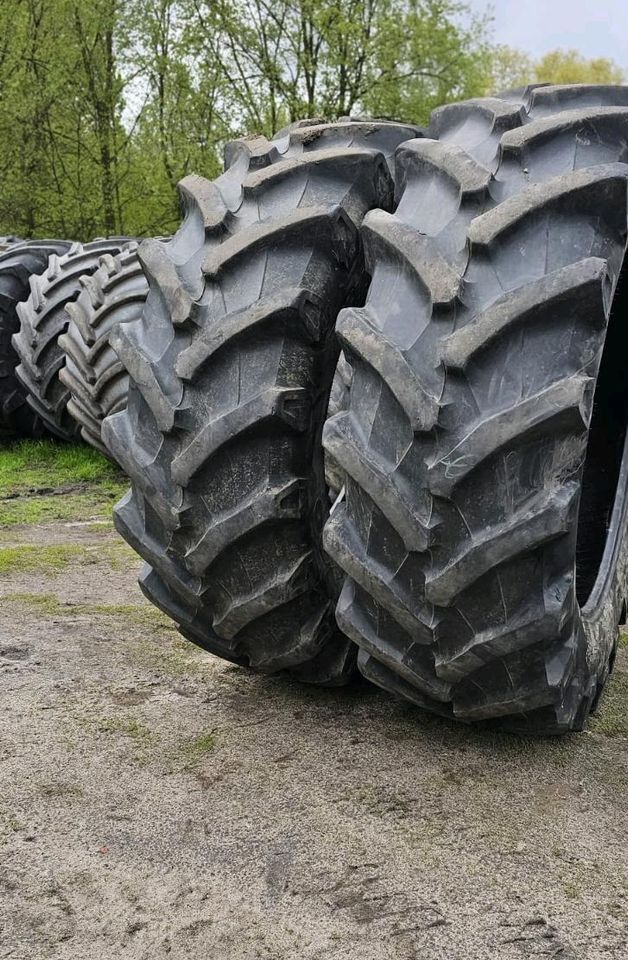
(450, 491)
(58, 304)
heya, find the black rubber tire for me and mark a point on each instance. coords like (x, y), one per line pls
(43, 318)
(96, 379)
(17, 264)
(231, 368)
(481, 474)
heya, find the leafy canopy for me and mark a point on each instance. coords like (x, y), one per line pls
(106, 104)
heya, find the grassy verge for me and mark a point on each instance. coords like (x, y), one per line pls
(47, 605)
(52, 558)
(43, 481)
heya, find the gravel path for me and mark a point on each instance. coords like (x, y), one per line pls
(155, 802)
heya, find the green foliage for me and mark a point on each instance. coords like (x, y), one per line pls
(569, 66)
(512, 68)
(108, 103)
(282, 60)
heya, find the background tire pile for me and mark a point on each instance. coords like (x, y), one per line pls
(443, 503)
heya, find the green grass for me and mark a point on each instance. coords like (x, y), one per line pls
(43, 481)
(129, 727)
(51, 559)
(612, 719)
(42, 465)
(48, 605)
(193, 752)
(33, 508)
(36, 559)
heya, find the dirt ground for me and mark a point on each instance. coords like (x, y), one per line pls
(155, 802)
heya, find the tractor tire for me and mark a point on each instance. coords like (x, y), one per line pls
(97, 381)
(18, 264)
(43, 318)
(483, 528)
(230, 372)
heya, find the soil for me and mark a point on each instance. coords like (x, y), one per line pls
(156, 802)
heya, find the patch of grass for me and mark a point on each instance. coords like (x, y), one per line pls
(32, 509)
(141, 737)
(43, 481)
(48, 605)
(193, 752)
(28, 466)
(177, 659)
(623, 639)
(32, 558)
(120, 556)
(100, 526)
(133, 613)
(612, 720)
(43, 603)
(14, 824)
(129, 727)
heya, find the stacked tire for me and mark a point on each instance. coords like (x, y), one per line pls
(476, 430)
(40, 281)
(44, 318)
(483, 532)
(18, 264)
(446, 498)
(231, 367)
(94, 377)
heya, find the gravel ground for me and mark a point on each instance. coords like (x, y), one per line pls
(156, 802)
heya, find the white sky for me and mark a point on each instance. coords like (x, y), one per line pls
(596, 29)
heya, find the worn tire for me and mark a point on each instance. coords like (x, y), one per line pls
(482, 474)
(96, 379)
(230, 369)
(43, 318)
(17, 264)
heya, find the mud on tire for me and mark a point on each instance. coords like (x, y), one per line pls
(230, 368)
(483, 532)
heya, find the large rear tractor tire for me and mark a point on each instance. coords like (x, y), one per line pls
(483, 531)
(230, 372)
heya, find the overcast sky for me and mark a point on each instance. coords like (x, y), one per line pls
(597, 28)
